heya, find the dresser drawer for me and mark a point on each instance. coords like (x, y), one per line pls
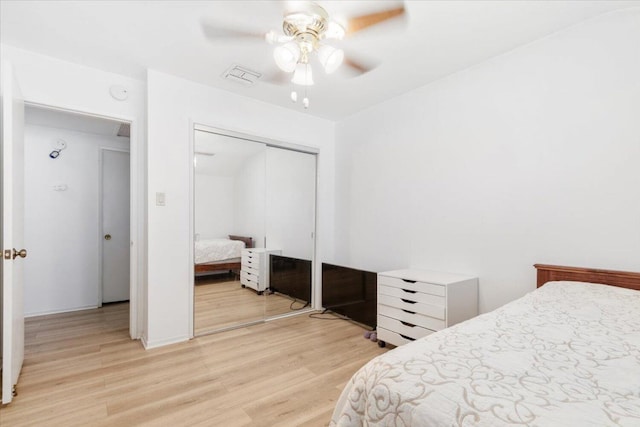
(427, 288)
(403, 328)
(417, 307)
(249, 268)
(411, 317)
(250, 260)
(247, 282)
(411, 295)
(248, 277)
(392, 337)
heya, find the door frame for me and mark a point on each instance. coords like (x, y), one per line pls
(137, 255)
(316, 299)
(101, 150)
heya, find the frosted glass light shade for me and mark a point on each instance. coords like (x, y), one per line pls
(287, 56)
(330, 58)
(334, 31)
(302, 75)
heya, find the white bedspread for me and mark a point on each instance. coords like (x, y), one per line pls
(217, 250)
(567, 354)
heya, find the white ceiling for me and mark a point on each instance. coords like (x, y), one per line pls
(437, 38)
(70, 121)
(229, 154)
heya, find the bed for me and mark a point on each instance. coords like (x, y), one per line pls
(216, 255)
(566, 354)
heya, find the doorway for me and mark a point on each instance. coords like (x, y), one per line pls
(115, 225)
(72, 163)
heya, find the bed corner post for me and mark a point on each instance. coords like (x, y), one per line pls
(543, 275)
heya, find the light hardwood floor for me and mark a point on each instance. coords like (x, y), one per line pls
(81, 369)
(220, 303)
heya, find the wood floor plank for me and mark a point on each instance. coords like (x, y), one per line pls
(280, 373)
(224, 303)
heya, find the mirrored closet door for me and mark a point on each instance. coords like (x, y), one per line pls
(290, 227)
(229, 200)
(254, 224)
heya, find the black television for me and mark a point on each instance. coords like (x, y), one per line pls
(290, 276)
(350, 292)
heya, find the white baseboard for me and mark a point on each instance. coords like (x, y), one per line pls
(64, 310)
(148, 345)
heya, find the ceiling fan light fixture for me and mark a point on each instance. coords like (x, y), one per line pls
(303, 75)
(287, 56)
(334, 31)
(271, 37)
(330, 58)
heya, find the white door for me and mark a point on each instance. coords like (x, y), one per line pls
(12, 232)
(290, 202)
(115, 226)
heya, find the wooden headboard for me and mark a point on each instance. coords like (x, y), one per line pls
(623, 279)
(248, 241)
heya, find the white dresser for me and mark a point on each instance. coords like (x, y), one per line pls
(254, 271)
(415, 303)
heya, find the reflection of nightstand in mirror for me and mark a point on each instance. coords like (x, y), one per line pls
(255, 268)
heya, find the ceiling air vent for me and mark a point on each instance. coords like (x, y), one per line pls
(241, 75)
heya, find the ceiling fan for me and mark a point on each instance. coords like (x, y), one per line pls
(308, 31)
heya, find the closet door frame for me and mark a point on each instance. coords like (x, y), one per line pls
(197, 126)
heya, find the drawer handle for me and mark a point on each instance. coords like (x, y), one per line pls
(408, 301)
(407, 338)
(409, 291)
(408, 324)
(409, 281)
(407, 311)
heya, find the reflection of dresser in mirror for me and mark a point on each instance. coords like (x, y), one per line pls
(255, 268)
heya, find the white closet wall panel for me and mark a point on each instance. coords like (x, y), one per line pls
(214, 214)
(290, 202)
(249, 199)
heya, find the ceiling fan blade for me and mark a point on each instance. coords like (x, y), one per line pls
(358, 66)
(359, 23)
(278, 77)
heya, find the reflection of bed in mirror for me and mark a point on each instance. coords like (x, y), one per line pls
(219, 255)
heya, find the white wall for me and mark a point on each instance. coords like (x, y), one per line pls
(61, 227)
(173, 105)
(290, 202)
(214, 200)
(530, 157)
(48, 81)
(249, 203)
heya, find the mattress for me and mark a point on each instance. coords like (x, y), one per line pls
(212, 250)
(567, 354)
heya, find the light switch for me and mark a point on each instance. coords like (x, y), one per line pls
(160, 199)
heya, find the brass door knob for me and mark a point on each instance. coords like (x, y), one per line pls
(107, 237)
(22, 253)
